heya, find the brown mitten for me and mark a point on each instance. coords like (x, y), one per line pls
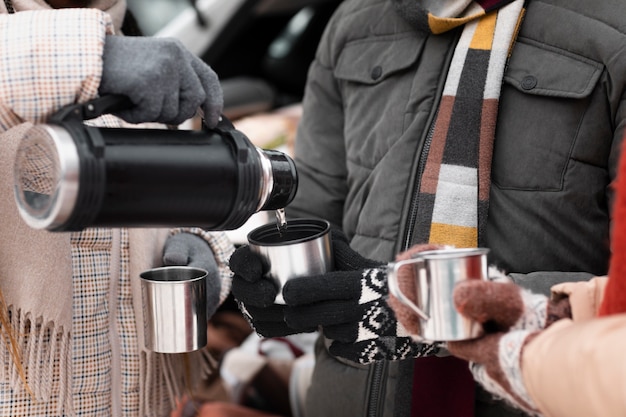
(511, 317)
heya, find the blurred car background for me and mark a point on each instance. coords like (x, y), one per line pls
(261, 49)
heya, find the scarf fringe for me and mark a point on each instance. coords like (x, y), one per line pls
(45, 361)
(169, 377)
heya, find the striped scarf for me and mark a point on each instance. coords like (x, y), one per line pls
(454, 190)
(453, 197)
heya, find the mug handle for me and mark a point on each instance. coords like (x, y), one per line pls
(394, 288)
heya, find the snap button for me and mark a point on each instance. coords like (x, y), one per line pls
(529, 82)
(377, 71)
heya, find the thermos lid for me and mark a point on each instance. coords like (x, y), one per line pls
(46, 176)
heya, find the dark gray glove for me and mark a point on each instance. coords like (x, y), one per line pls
(187, 249)
(165, 81)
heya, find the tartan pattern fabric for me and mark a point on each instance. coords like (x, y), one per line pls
(454, 191)
(24, 97)
(91, 345)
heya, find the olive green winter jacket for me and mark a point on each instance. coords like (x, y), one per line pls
(371, 97)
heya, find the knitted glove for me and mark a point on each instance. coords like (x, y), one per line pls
(511, 317)
(187, 249)
(350, 304)
(255, 295)
(165, 81)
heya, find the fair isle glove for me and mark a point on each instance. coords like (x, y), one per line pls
(165, 81)
(511, 317)
(350, 305)
(187, 249)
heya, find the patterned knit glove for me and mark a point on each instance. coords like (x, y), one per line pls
(350, 305)
(511, 316)
(187, 249)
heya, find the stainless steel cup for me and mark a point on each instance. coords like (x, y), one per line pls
(436, 273)
(303, 248)
(174, 306)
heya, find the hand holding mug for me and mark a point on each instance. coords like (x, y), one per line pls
(424, 281)
(273, 257)
(511, 317)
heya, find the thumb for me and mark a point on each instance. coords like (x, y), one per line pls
(173, 256)
(489, 302)
(483, 350)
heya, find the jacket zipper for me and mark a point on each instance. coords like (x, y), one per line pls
(423, 156)
(380, 368)
(412, 220)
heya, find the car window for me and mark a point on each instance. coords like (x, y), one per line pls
(154, 15)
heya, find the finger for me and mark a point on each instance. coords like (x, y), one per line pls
(175, 257)
(329, 313)
(489, 302)
(258, 294)
(247, 265)
(405, 315)
(213, 103)
(191, 93)
(483, 350)
(276, 329)
(347, 259)
(336, 285)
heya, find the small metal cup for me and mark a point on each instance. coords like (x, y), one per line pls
(303, 248)
(174, 305)
(436, 273)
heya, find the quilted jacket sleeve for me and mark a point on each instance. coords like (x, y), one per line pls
(49, 58)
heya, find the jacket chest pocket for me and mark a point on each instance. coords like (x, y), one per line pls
(374, 77)
(545, 97)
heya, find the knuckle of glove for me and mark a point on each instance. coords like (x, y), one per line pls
(334, 285)
(258, 294)
(246, 265)
(498, 303)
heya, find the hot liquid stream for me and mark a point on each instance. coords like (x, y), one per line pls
(281, 221)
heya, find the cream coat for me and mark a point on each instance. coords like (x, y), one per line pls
(577, 368)
(74, 297)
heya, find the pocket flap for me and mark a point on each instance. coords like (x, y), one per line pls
(370, 62)
(547, 71)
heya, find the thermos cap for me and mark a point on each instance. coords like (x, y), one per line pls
(46, 174)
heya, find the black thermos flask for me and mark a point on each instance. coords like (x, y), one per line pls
(69, 175)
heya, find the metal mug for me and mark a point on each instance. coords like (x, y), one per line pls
(436, 274)
(174, 305)
(302, 248)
